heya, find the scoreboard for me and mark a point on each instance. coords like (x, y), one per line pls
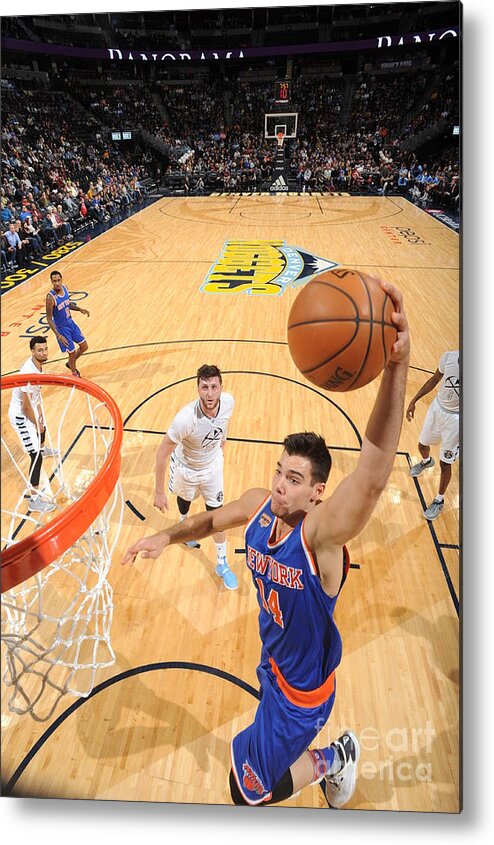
(121, 136)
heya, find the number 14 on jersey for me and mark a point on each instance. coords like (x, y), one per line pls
(272, 605)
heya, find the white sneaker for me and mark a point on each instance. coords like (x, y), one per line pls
(433, 510)
(36, 503)
(419, 468)
(340, 787)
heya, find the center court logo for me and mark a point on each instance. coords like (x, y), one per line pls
(264, 268)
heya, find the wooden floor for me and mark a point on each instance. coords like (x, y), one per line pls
(186, 649)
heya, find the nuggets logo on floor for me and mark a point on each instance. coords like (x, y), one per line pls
(262, 268)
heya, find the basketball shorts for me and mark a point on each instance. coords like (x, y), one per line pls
(279, 735)
(190, 483)
(73, 334)
(27, 432)
(442, 427)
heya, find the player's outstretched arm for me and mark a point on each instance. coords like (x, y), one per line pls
(426, 388)
(74, 307)
(199, 526)
(165, 449)
(346, 512)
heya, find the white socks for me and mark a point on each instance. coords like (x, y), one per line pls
(220, 552)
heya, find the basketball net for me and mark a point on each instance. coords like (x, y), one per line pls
(280, 138)
(57, 613)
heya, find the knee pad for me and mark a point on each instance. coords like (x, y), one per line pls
(36, 459)
(282, 790)
(183, 506)
(237, 796)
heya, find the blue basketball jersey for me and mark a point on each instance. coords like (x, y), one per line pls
(296, 615)
(61, 311)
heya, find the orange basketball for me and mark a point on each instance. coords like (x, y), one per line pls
(340, 332)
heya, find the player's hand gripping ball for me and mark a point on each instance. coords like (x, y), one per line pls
(340, 331)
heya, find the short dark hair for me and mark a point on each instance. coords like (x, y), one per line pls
(312, 446)
(55, 273)
(208, 371)
(35, 340)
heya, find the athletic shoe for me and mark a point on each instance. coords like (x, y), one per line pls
(433, 510)
(75, 372)
(229, 579)
(417, 469)
(340, 787)
(36, 503)
(191, 544)
(50, 453)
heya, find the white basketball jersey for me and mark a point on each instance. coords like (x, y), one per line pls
(197, 436)
(448, 394)
(33, 390)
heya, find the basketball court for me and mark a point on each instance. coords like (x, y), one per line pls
(189, 281)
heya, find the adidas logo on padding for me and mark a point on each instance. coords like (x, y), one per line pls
(279, 184)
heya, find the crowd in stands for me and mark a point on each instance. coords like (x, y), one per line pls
(53, 183)
(442, 104)
(319, 104)
(61, 171)
(215, 144)
(226, 148)
(379, 107)
(117, 106)
(194, 109)
(365, 153)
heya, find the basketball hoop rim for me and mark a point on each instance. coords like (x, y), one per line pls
(30, 555)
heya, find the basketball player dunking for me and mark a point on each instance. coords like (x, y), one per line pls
(67, 332)
(295, 549)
